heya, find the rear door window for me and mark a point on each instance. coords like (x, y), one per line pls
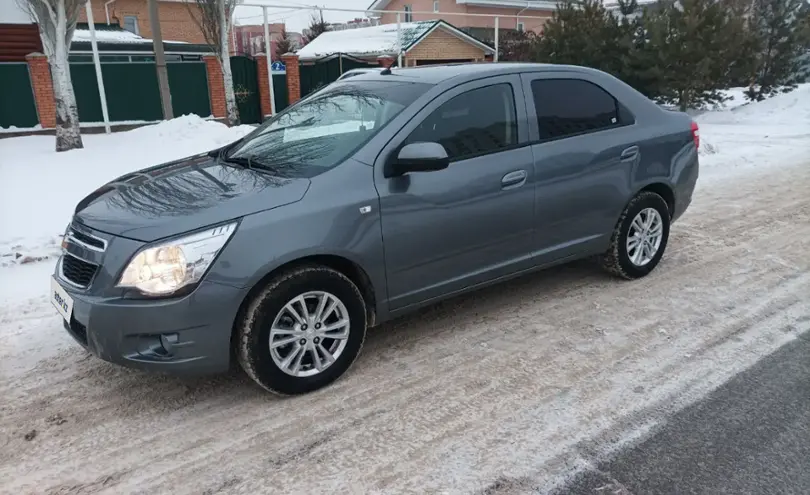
(570, 107)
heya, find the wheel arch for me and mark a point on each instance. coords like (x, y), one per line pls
(352, 270)
(662, 189)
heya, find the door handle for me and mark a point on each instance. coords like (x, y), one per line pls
(629, 153)
(513, 179)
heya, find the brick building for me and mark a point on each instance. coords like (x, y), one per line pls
(249, 39)
(176, 22)
(509, 11)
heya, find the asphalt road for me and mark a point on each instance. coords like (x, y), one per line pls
(751, 436)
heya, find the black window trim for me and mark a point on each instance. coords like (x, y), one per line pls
(511, 147)
(621, 110)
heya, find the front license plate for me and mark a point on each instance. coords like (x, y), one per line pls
(61, 300)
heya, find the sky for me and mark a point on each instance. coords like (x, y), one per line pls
(297, 15)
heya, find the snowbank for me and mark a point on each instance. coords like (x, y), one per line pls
(39, 187)
(760, 134)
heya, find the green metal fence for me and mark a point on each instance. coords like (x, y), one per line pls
(17, 106)
(132, 90)
(315, 75)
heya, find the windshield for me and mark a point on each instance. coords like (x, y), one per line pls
(322, 131)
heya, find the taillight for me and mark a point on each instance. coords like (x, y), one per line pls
(696, 134)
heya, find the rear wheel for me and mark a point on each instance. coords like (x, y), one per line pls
(640, 237)
(302, 331)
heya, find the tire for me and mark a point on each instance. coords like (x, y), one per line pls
(617, 260)
(267, 308)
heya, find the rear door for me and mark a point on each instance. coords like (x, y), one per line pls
(584, 151)
(451, 229)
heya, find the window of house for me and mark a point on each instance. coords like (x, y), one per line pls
(567, 107)
(435, 5)
(474, 123)
(521, 27)
(408, 13)
(131, 23)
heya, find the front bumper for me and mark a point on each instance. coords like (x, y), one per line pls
(186, 335)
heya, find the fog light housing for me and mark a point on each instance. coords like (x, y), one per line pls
(168, 341)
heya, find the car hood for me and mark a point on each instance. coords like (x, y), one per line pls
(183, 195)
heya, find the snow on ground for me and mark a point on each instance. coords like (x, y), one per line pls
(755, 135)
(505, 390)
(39, 188)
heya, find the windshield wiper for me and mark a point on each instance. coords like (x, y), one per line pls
(218, 152)
(249, 162)
(245, 162)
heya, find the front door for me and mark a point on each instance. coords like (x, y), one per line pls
(472, 222)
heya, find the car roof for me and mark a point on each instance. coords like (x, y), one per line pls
(435, 74)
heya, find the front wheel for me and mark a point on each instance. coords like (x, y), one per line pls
(302, 331)
(640, 237)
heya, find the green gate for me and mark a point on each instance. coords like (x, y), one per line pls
(17, 106)
(132, 90)
(315, 75)
(246, 89)
(281, 93)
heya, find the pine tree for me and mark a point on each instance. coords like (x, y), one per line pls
(689, 49)
(317, 26)
(780, 27)
(576, 34)
(283, 45)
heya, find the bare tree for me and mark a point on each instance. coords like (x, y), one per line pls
(57, 21)
(214, 18)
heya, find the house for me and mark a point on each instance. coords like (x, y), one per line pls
(512, 13)
(422, 43)
(249, 39)
(176, 21)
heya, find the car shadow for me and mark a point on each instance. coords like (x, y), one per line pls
(166, 393)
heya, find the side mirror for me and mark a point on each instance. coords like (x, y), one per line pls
(418, 157)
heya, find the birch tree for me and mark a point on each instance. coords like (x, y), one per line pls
(57, 21)
(214, 18)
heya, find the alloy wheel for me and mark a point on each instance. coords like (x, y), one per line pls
(309, 334)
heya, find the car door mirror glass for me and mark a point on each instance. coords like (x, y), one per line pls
(419, 157)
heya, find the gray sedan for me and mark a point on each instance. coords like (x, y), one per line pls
(373, 197)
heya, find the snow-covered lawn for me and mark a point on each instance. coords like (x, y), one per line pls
(39, 188)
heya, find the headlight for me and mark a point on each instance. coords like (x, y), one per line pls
(167, 267)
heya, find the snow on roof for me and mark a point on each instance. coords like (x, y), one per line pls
(376, 40)
(113, 36)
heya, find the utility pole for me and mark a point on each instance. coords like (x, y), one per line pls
(160, 61)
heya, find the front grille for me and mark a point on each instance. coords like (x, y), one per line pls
(77, 271)
(87, 239)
